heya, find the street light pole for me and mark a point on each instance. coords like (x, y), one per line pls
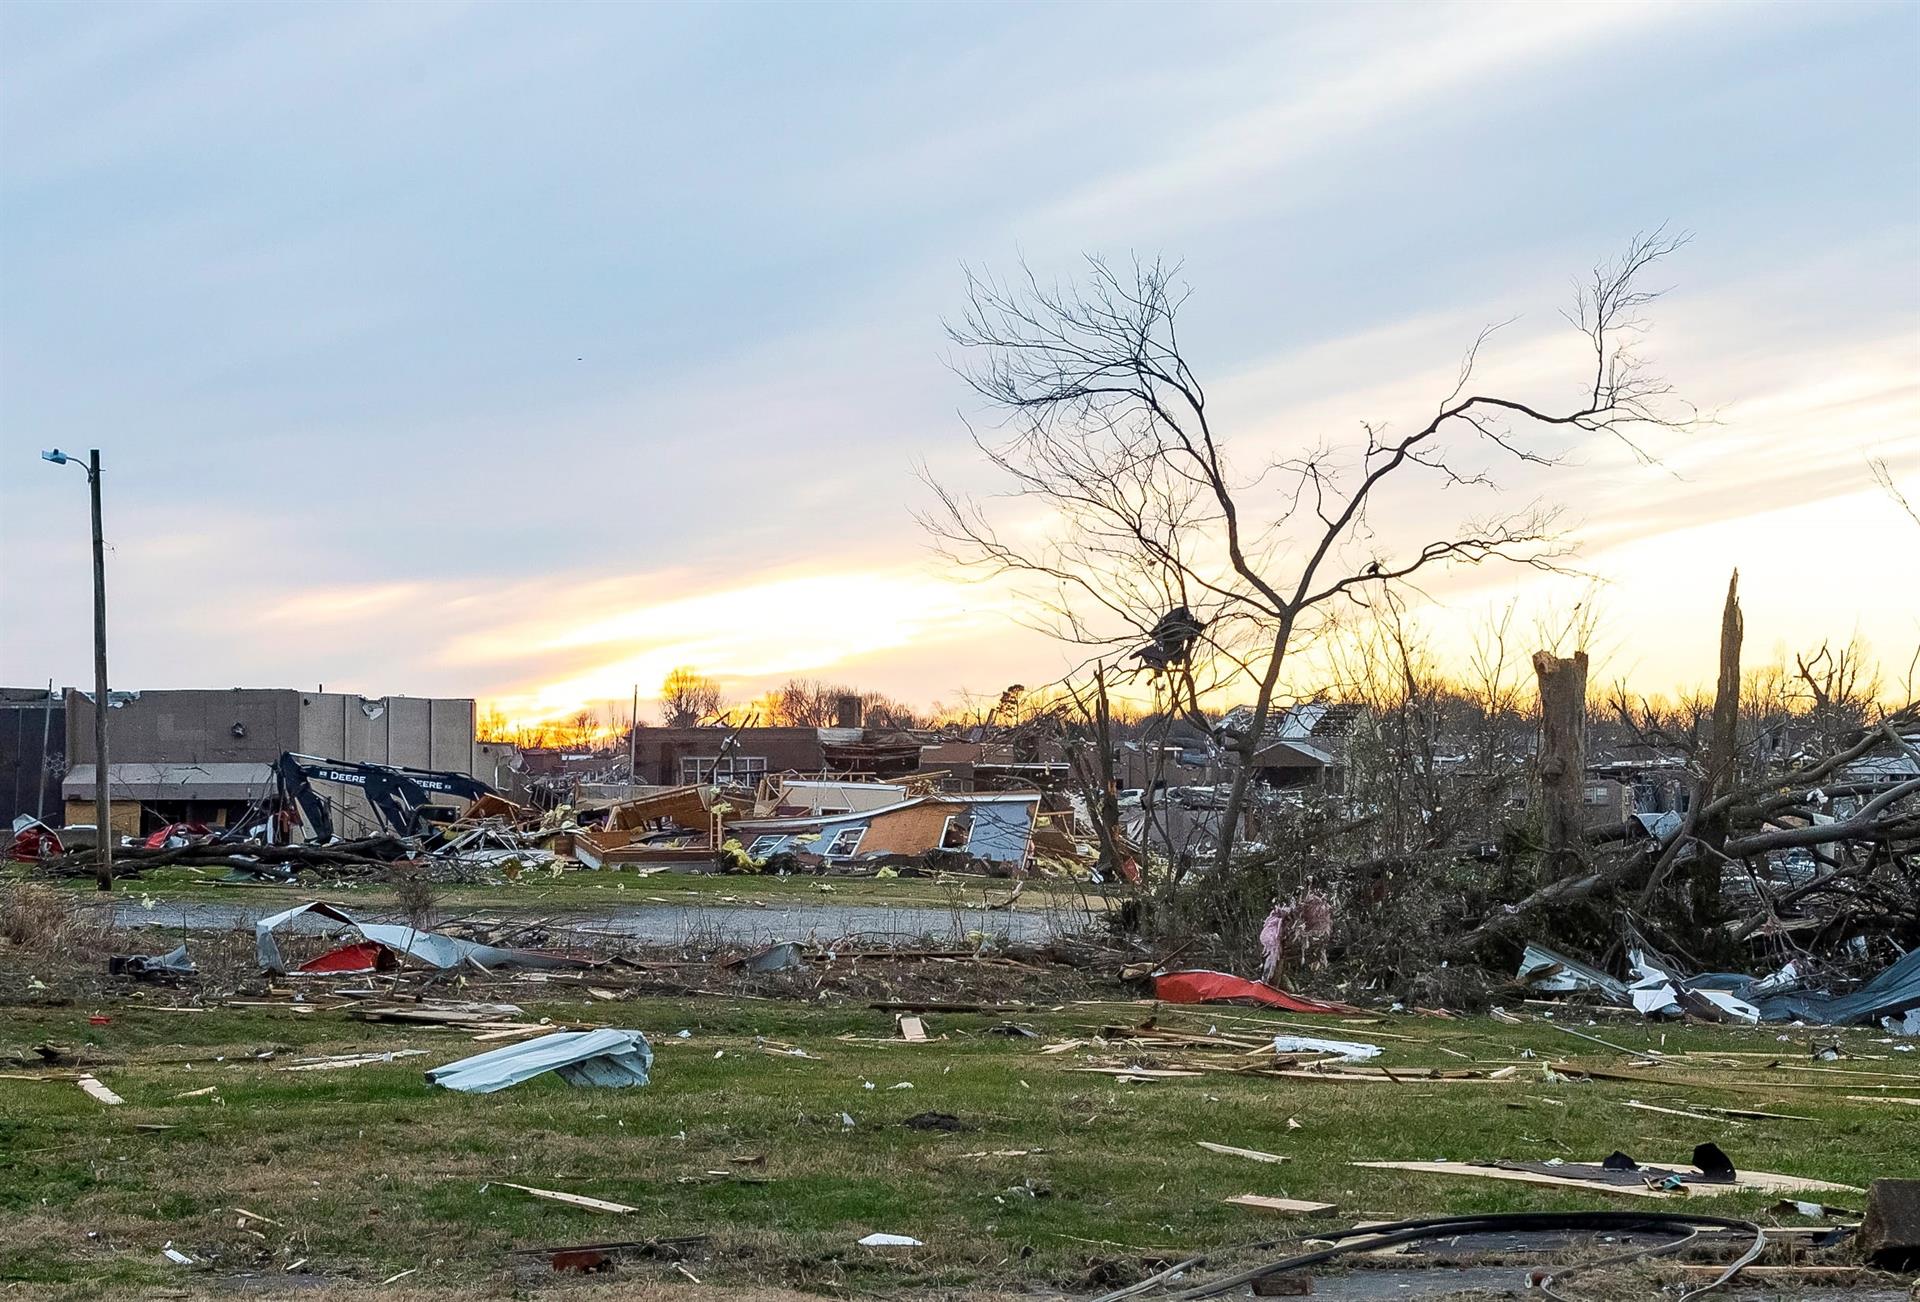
(102, 800)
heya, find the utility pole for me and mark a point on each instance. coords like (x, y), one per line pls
(46, 735)
(633, 739)
(102, 801)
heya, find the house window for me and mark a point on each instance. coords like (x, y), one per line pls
(741, 769)
(844, 843)
(957, 832)
(765, 845)
(1596, 795)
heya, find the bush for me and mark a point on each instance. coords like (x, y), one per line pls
(48, 920)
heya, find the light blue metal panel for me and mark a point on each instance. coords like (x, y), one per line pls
(1002, 831)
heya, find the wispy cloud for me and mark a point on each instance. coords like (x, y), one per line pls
(524, 352)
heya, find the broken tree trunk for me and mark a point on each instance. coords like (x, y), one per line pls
(1562, 764)
(1722, 750)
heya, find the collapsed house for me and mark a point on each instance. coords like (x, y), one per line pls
(995, 829)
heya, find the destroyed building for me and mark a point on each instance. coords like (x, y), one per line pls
(206, 756)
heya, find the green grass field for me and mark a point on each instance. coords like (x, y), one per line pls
(364, 1173)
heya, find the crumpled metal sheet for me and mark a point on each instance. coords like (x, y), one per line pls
(175, 962)
(439, 951)
(429, 947)
(264, 944)
(1658, 991)
(1545, 969)
(607, 1058)
(1895, 991)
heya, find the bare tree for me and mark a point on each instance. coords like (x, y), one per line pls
(1883, 476)
(1107, 428)
(688, 698)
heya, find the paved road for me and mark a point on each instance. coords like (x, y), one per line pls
(676, 924)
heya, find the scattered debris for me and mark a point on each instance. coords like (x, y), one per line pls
(787, 956)
(154, 967)
(890, 1241)
(430, 948)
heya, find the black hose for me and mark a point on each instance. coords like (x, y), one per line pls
(1379, 1236)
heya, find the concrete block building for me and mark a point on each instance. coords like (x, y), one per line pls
(207, 756)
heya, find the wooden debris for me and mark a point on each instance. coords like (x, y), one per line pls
(96, 1090)
(340, 1061)
(1139, 1073)
(1252, 1153)
(912, 1029)
(1764, 1181)
(1876, 1098)
(1291, 1283)
(572, 1200)
(1284, 1206)
(1676, 1112)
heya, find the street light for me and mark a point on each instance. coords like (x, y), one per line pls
(102, 806)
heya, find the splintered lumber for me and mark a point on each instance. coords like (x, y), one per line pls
(1283, 1206)
(1521, 1177)
(572, 1200)
(1253, 1153)
(1676, 1112)
(1763, 1181)
(96, 1090)
(1756, 1114)
(1139, 1073)
(352, 1060)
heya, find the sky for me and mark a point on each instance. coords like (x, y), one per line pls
(526, 351)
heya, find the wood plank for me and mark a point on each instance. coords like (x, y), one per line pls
(1252, 1153)
(1520, 1177)
(1139, 1073)
(1746, 1181)
(912, 1029)
(572, 1200)
(1851, 1098)
(96, 1090)
(1676, 1112)
(1284, 1206)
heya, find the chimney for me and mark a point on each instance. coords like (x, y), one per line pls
(846, 712)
